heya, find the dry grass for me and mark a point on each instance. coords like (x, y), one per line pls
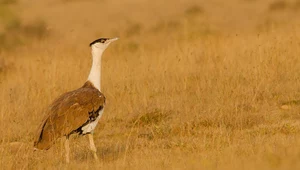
(191, 85)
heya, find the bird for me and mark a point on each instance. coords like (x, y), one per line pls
(77, 111)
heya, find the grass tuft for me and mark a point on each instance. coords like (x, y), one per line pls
(154, 117)
(194, 10)
(278, 5)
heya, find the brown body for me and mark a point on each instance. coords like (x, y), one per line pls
(68, 113)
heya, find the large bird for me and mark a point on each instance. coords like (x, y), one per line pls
(76, 111)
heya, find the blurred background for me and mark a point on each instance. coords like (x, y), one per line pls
(190, 84)
(137, 22)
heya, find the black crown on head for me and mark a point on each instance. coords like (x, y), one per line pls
(100, 40)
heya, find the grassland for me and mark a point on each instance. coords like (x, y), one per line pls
(189, 85)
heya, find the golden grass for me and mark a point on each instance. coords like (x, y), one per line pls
(186, 86)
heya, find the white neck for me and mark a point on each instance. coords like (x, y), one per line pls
(95, 73)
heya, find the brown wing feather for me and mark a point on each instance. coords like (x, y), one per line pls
(68, 113)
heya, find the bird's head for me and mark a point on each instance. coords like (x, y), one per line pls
(102, 43)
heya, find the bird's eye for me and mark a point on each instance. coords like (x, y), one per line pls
(100, 40)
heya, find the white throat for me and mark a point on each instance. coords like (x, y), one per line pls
(95, 73)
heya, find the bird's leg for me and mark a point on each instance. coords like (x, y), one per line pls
(92, 146)
(67, 147)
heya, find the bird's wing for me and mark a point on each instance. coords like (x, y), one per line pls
(68, 113)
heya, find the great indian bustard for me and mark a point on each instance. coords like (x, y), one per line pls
(76, 111)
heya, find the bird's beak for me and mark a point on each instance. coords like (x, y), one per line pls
(112, 40)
